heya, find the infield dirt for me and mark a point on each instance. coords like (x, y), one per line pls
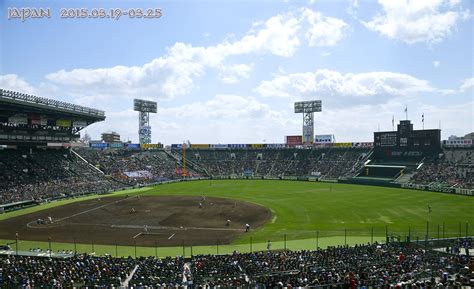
(156, 220)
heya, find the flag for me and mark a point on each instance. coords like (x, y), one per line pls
(393, 120)
(423, 117)
(406, 108)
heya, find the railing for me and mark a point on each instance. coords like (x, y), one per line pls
(435, 237)
(49, 102)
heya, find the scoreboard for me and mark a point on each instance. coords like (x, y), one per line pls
(406, 143)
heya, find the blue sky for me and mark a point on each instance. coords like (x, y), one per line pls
(230, 71)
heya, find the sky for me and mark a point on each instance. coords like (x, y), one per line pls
(230, 71)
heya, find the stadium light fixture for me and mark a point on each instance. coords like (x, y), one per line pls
(308, 108)
(144, 107)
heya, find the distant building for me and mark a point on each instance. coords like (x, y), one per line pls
(455, 141)
(469, 136)
(110, 137)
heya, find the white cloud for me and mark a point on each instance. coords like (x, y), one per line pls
(16, 83)
(436, 63)
(231, 73)
(224, 106)
(173, 74)
(352, 8)
(278, 35)
(323, 30)
(417, 20)
(467, 84)
(358, 122)
(228, 118)
(457, 119)
(339, 88)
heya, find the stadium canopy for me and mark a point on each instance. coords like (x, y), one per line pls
(32, 120)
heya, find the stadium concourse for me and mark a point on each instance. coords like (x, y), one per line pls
(392, 265)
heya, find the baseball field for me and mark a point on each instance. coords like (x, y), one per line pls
(192, 218)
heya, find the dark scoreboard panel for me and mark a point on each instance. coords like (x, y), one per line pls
(406, 143)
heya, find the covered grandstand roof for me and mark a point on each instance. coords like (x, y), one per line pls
(22, 102)
(32, 120)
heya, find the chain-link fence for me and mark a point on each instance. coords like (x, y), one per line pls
(429, 235)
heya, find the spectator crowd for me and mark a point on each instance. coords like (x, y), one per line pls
(42, 174)
(325, 162)
(39, 174)
(392, 265)
(454, 168)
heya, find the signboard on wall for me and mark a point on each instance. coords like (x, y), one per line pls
(294, 140)
(324, 138)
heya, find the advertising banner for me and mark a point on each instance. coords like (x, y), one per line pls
(237, 146)
(116, 145)
(133, 146)
(43, 120)
(275, 145)
(63, 122)
(324, 138)
(256, 145)
(98, 145)
(151, 146)
(35, 119)
(176, 146)
(218, 146)
(18, 119)
(343, 145)
(200, 146)
(294, 140)
(79, 123)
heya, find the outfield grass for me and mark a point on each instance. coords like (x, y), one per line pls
(336, 213)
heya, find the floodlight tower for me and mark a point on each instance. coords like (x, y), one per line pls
(144, 107)
(308, 108)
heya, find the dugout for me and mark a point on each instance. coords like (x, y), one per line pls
(17, 205)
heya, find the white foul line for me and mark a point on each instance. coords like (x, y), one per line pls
(172, 236)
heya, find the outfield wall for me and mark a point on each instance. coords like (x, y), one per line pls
(360, 181)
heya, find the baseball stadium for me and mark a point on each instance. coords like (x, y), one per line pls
(201, 206)
(237, 144)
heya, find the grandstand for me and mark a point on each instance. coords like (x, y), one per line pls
(35, 161)
(42, 160)
(31, 120)
(375, 265)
